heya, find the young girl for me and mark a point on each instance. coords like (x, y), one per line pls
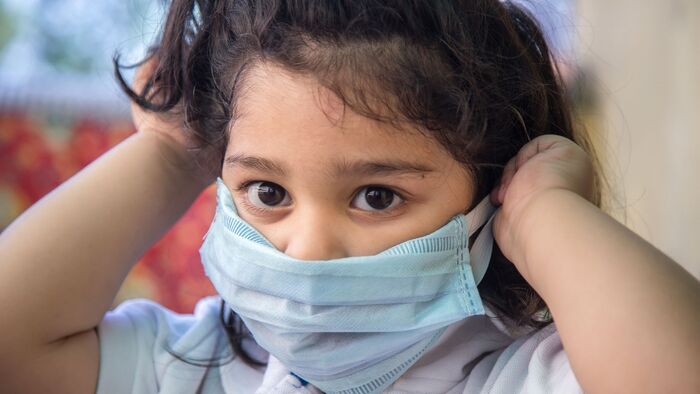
(348, 140)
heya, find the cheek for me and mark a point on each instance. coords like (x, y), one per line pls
(309, 235)
(418, 221)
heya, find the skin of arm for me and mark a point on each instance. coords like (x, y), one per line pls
(63, 260)
(80, 240)
(628, 316)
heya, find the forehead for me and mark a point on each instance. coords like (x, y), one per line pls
(289, 116)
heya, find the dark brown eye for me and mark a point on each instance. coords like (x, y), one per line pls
(376, 198)
(267, 194)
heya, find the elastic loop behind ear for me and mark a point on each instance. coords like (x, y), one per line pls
(480, 253)
(479, 215)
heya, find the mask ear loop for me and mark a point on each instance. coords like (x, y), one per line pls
(480, 252)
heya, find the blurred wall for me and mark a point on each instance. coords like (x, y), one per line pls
(644, 59)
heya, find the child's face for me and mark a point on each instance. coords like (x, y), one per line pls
(318, 188)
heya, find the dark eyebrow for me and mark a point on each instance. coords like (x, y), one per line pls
(358, 168)
(255, 163)
(385, 167)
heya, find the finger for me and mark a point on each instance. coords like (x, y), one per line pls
(526, 152)
(496, 228)
(508, 173)
(531, 149)
(500, 234)
(539, 145)
(493, 196)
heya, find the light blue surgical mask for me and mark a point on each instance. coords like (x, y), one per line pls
(354, 324)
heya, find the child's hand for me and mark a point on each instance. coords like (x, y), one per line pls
(170, 128)
(167, 125)
(547, 163)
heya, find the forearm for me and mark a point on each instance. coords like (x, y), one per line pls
(629, 317)
(62, 261)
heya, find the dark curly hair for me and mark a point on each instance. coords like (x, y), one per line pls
(476, 75)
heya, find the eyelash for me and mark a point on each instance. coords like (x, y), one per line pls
(243, 187)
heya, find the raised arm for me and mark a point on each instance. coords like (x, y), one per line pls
(63, 260)
(628, 316)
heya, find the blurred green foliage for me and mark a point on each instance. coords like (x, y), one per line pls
(7, 27)
(73, 36)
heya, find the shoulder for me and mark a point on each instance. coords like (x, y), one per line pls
(532, 363)
(143, 345)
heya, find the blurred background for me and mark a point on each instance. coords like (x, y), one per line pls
(631, 69)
